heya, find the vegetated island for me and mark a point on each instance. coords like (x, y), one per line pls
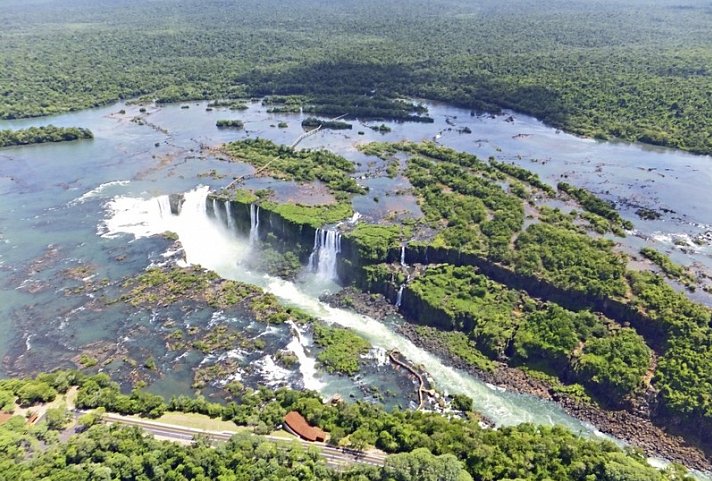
(40, 135)
(549, 295)
(415, 444)
(614, 81)
(230, 124)
(235, 104)
(313, 122)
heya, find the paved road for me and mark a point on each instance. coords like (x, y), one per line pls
(334, 457)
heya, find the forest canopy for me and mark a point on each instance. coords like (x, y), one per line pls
(602, 69)
(423, 445)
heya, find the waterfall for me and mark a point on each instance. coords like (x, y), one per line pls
(399, 297)
(209, 245)
(228, 213)
(327, 246)
(164, 205)
(217, 212)
(402, 258)
(254, 224)
(315, 252)
(195, 205)
(307, 365)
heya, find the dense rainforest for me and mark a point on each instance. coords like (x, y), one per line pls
(424, 446)
(602, 68)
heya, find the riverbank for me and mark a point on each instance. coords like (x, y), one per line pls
(71, 325)
(636, 430)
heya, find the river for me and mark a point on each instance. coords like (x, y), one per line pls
(96, 203)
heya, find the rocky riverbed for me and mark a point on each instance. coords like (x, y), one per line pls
(631, 426)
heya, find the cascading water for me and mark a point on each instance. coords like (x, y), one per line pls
(208, 244)
(254, 224)
(327, 247)
(164, 205)
(204, 240)
(307, 365)
(402, 256)
(399, 297)
(228, 213)
(314, 256)
(217, 212)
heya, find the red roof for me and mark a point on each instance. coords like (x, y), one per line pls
(296, 423)
(5, 417)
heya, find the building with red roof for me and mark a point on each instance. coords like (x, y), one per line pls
(297, 425)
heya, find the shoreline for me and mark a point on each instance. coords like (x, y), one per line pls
(638, 431)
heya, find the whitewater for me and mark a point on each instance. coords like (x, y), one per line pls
(207, 243)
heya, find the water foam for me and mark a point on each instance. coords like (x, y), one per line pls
(272, 374)
(399, 297)
(254, 224)
(307, 365)
(208, 244)
(95, 192)
(327, 247)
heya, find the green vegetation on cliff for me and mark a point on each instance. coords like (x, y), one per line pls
(471, 302)
(508, 325)
(684, 373)
(614, 365)
(375, 241)
(550, 335)
(456, 344)
(315, 216)
(40, 135)
(571, 260)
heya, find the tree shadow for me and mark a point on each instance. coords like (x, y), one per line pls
(416, 79)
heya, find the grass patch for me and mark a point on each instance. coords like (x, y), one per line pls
(199, 421)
